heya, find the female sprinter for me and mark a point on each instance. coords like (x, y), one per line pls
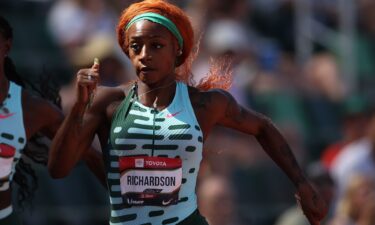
(22, 115)
(153, 135)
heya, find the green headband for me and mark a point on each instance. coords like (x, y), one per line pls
(157, 18)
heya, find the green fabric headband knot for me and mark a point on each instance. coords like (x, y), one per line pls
(157, 18)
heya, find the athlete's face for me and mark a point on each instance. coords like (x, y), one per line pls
(152, 51)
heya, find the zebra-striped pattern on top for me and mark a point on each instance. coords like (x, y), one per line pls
(174, 133)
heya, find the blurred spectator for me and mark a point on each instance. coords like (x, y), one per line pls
(356, 158)
(324, 91)
(230, 40)
(274, 19)
(323, 78)
(354, 122)
(204, 12)
(354, 200)
(73, 22)
(324, 184)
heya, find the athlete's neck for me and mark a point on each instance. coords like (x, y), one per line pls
(158, 95)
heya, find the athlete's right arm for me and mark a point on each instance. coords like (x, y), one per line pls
(77, 131)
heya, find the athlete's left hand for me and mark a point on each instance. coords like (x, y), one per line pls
(312, 204)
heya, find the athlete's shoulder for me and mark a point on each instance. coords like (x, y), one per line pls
(111, 92)
(107, 99)
(209, 98)
(104, 96)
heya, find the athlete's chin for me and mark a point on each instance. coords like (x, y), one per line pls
(147, 79)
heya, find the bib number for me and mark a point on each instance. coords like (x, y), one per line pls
(150, 180)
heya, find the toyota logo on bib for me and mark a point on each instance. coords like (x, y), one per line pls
(156, 163)
(139, 163)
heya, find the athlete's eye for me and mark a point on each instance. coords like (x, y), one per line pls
(135, 47)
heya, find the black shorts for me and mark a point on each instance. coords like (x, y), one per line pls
(194, 219)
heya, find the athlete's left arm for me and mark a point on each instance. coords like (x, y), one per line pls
(53, 118)
(233, 115)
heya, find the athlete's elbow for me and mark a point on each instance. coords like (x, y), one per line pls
(264, 126)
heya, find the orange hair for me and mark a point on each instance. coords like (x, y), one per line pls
(183, 24)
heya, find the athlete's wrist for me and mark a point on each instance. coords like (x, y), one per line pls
(77, 112)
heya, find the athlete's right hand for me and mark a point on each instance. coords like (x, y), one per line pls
(87, 81)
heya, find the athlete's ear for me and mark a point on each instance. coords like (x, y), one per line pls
(178, 57)
(178, 53)
(176, 47)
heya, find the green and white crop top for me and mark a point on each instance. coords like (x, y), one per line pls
(152, 162)
(12, 139)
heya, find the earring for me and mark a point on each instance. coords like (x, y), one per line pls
(179, 53)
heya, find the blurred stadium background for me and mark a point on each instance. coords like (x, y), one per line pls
(307, 64)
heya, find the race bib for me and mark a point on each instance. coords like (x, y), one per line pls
(7, 153)
(150, 180)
